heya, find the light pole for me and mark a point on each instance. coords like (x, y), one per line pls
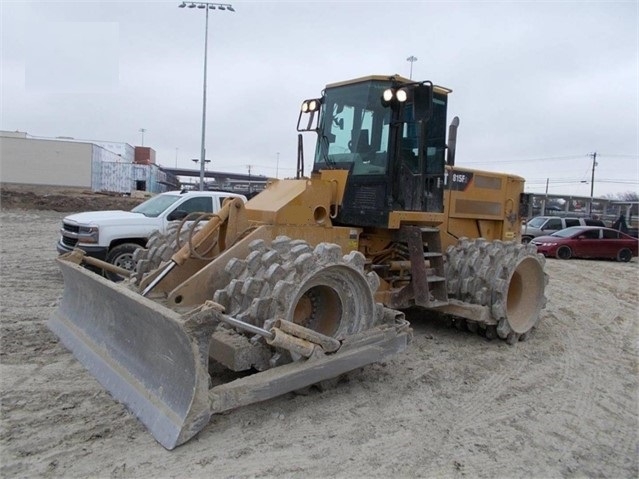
(205, 6)
(592, 182)
(198, 160)
(412, 59)
(142, 130)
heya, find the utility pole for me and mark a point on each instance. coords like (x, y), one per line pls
(277, 166)
(592, 181)
(545, 202)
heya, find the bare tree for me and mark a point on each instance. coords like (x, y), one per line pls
(625, 196)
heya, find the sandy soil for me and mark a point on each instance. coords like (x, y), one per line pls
(563, 404)
(58, 198)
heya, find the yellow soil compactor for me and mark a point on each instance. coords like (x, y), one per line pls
(308, 279)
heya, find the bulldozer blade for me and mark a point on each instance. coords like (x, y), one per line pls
(138, 350)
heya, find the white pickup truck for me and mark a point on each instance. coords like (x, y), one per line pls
(113, 236)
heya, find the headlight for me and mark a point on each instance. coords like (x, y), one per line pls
(88, 234)
(549, 244)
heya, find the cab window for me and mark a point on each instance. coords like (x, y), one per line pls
(355, 130)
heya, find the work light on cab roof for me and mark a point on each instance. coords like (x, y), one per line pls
(309, 106)
(401, 95)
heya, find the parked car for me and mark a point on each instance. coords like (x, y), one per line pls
(113, 236)
(545, 225)
(588, 242)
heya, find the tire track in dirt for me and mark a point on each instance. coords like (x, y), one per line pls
(586, 362)
(561, 404)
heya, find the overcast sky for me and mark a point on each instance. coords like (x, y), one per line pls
(538, 86)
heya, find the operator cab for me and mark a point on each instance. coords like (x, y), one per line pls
(390, 134)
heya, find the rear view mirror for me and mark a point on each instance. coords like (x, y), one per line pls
(176, 215)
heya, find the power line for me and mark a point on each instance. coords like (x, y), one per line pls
(572, 157)
(619, 156)
(550, 158)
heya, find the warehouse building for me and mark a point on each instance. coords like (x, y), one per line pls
(96, 165)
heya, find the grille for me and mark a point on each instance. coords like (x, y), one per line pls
(71, 228)
(69, 241)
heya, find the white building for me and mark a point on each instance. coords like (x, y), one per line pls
(98, 165)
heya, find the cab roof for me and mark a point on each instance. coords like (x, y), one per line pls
(396, 78)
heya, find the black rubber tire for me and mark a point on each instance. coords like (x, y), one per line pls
(122, 256)
(563, 252)
(624, 255)
(526, 239)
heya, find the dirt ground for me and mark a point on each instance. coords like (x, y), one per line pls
(563, 404)
(56, 198)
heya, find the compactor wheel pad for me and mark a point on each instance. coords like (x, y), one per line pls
(160, 248)
(318, 288)
(507, 277)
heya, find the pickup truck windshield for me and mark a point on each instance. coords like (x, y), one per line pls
(536, 222)
(155, 206)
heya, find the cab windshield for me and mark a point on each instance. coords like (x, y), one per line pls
(355, 129)
(356, 126)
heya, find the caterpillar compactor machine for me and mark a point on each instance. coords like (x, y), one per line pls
(308, 280)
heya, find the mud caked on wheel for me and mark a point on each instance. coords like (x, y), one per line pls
(507, 277)
(318, 288)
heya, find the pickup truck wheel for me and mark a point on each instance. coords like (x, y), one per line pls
(122, 256)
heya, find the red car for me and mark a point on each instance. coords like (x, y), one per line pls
(588, 242)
